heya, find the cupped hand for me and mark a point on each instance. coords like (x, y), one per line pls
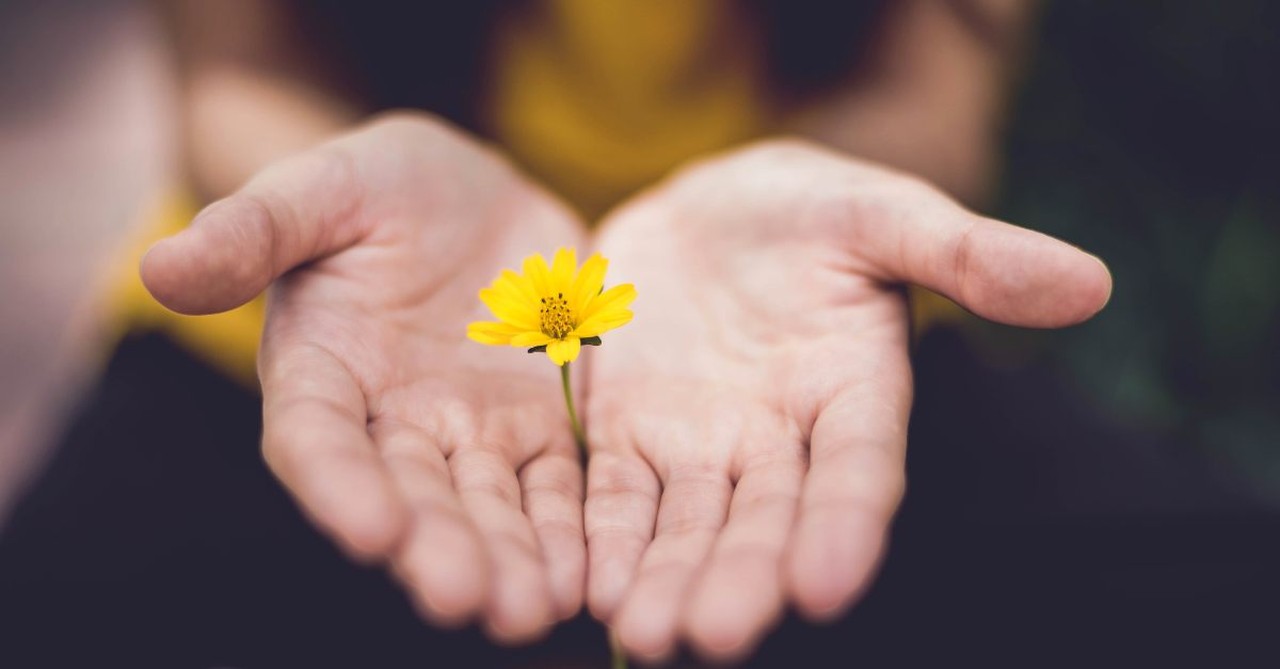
(749, 427)
(404, 441)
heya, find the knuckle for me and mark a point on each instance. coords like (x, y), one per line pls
(565, 488)
(555, 529)
(675, 567)
(962, 253)
(248, 221)
(686, 521)
(768, 502)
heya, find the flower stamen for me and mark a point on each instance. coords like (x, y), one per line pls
(556, 319)
(562, 326)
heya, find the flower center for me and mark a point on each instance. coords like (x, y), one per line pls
(556, 320)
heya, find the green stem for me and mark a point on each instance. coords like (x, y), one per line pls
(615, 649)
(578, 435)
(619, 658)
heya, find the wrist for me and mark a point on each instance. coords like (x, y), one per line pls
(238, 122)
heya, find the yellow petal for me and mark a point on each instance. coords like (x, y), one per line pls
(516, 312)
(515, 287)
(587, 284)
(618, 297)
(535, 269)
(562, 269)
(528, 339)
(493, 334)
(564, 350)
(603, 322)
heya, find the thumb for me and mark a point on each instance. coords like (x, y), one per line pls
(996, 270)
(295, 211)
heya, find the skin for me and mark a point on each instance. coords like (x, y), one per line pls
(408, 444)
(750, 425)
(747, 427)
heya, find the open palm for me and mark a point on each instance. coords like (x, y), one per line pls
(749, 427)
(403, 440)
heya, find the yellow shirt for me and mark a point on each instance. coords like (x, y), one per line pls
(594, 99)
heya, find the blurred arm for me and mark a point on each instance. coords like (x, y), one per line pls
(253, 89)
(931, 95)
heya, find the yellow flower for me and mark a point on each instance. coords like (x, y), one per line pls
(555, 309)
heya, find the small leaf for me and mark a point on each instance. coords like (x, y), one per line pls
(591, 341)
(539, 349)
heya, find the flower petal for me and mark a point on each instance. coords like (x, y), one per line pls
(618, 297)
(515, 287)
(535, 269)
(587, 284)
(603, 322)
(565, 350)
(562, 269)
(491, 333)
(516, 312)
(528, 339)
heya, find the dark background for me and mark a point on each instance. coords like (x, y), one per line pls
(1147, 132)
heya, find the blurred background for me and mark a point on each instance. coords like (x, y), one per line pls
(86, 141)
(1146, 133)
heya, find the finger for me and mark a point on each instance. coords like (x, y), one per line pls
(552, 486)
(999, 271)
(297, 210)
(853, 487)
(315, 441)
(441, 560)
(691, 513)
(740, 592)
(520, 607)
(621, 507)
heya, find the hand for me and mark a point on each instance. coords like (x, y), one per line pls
(400, 438)
(749, 426)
